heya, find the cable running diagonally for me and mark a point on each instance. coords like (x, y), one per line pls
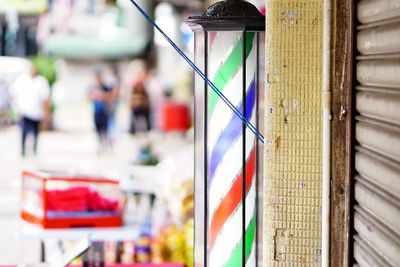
(248, 124)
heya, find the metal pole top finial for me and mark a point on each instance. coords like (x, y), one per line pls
(229, 15)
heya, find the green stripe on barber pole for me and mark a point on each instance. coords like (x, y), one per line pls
(229, 68)
(236, 258)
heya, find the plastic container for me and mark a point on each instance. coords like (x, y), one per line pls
(175, 117)
(70, 201)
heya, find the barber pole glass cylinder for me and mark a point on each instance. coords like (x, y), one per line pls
(227, 48)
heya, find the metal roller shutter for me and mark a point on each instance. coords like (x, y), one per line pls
(377, 131)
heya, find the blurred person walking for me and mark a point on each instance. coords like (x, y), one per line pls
(115, 86)
(4, 103)
(31, 96)
(140, 105)
(100, 95)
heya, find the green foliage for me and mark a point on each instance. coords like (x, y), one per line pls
(45, 66)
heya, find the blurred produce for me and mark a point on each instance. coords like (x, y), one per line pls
(189, 242)
(172, 244)
(143, 244)
(127, 252)
(94, 256)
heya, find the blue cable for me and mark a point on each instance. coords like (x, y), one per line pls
(202, 75)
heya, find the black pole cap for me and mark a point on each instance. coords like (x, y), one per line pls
(229, 15)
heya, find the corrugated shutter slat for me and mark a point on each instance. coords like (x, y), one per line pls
(379, 137)
(385, 208)
(379, 40)
(379, 105)
(380, 73)
(373, 11)
(377, 133)
(366, 255)
(379, 170)
(368, 228)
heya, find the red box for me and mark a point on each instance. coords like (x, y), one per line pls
(174, 117)
(54, 201)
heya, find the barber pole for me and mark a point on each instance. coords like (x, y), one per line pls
(229, 195)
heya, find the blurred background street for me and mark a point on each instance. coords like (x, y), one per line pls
(97, 81)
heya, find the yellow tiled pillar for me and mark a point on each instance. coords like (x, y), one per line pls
(293, 133)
